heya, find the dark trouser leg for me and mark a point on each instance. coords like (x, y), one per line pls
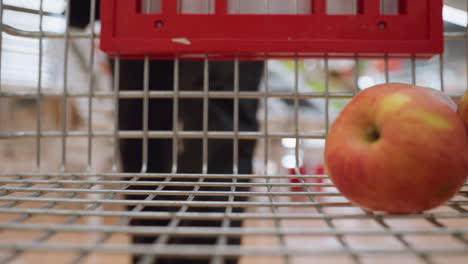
(159, 118)
(220, 151)
(220, 158)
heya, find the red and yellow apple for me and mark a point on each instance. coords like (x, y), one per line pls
(397, 148)
(443, 97)
(463, 110)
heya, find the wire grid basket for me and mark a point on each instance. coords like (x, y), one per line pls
(80, 215)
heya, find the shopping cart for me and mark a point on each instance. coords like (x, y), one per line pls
(65, 199)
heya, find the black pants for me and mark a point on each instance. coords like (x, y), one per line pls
(220, 151)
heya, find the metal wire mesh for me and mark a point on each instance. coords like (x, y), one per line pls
(67, 215)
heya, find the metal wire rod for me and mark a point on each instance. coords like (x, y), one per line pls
(233, 216)
(230, 231)
(191, 251)
(164, 134)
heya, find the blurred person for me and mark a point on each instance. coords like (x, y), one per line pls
(160, 115)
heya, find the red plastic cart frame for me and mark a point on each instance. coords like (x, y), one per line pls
(416, 29)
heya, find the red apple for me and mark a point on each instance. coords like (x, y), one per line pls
(443, 97)
(463, 110)
(397, 148)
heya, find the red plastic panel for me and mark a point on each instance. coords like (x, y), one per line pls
(416, 29)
